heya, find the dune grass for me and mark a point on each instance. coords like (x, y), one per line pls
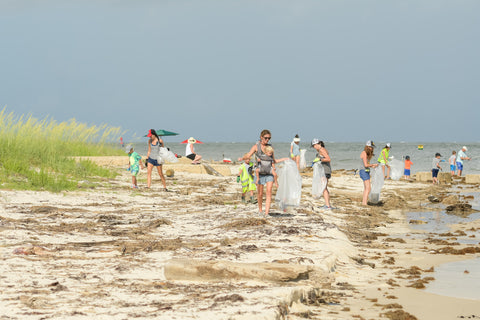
(36, 154)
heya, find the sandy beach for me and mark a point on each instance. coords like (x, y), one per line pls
(198, 252)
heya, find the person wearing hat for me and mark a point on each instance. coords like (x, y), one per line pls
(153, 158)
(461, 155)
(295, 150)
(135, 164)
(364, 171)
(324, 159)
(436, 167)
(190, 151)
(383, 159)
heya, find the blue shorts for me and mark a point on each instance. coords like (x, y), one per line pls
(435, 173)
(406, 172)
(459, 166)
(264, 178)
(452, 167)
(154, 162)
(364, 175)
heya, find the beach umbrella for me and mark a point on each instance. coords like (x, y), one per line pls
(192, 139)
(163, 133)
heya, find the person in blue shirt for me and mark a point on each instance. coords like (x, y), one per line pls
(461, 155)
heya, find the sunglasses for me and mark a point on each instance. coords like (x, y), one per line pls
(267, 138)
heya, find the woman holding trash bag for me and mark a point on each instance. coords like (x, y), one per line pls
(324, 159)
(263, 179)
(153, 158)
(364, 171)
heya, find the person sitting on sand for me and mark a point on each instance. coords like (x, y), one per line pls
(365, 166)
(135, 164)
(190, 151)
(154, 159)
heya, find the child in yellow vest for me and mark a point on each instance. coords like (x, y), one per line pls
(245, 176)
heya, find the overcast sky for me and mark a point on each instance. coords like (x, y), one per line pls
(224, 70)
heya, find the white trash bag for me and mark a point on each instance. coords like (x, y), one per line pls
(167, 155)
(376, 179)
(396, 169)
(319, 180)
(303, 162)
(289, 185)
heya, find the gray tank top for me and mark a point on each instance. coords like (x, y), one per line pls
(264, 161)
(326, 165)
(155, 151)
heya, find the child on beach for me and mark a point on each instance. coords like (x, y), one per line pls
(408, 164)
(436, 167)
(269, 168)
(135, 164)
(245, 176)
(452, 161)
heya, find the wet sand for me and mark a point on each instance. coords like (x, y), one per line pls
(197, 252)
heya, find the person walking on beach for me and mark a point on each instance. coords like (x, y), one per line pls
(153, 158)
(245, 176)
(135, 164)
(364, 171)
(436, 167)
(295, 150)
(452, 162)
(190, 151)
(383, 159)
(263, 179)
(460, 157)
(324, 158)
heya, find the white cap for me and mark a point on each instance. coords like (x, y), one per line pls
(370, 143)
(296, 139)
(464, 147)
(389, 145)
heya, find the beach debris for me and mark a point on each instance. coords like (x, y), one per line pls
(203, 270)
(210, 170)
(398, 314)
(451, 199)
(433, 199)
(33, 250)
(362, 261)
(232, 298)
(169, 173)
(413, 221)
(462, 208)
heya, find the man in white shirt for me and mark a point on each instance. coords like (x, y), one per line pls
(461, 155)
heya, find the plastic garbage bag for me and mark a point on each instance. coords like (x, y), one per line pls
(319, 180)
(303, 162)
(377, 179)
(396, 169)
(167, 155)
(289, 185)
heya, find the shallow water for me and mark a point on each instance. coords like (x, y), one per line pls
(345, 155)
(457, 279)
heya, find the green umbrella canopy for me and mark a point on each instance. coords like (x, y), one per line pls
(162, 132)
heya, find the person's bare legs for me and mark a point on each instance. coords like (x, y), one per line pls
(149, 174)
(260, 197)
(297, 160)
(197, 158)
(388, 171)
(326, 196)
(160, 172)
(268, 197)
(366, 191)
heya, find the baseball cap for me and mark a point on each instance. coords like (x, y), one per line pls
(465, 147)
(370, 143)
(389, 145)
(315, 141)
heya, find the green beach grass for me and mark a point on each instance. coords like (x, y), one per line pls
(36, 154)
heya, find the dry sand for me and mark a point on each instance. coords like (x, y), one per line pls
(197, 252)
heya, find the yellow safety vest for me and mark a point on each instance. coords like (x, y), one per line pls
(246, 180)
(381, 159)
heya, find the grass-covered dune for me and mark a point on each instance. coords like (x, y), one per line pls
(36, 154)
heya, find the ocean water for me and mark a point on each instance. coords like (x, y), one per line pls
(345, 155)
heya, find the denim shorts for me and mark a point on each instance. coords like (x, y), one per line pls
(435, 173)
(264, 178)
(459, 166)
(154, 162)
(364, 175)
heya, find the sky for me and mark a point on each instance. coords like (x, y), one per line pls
(224, 70)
